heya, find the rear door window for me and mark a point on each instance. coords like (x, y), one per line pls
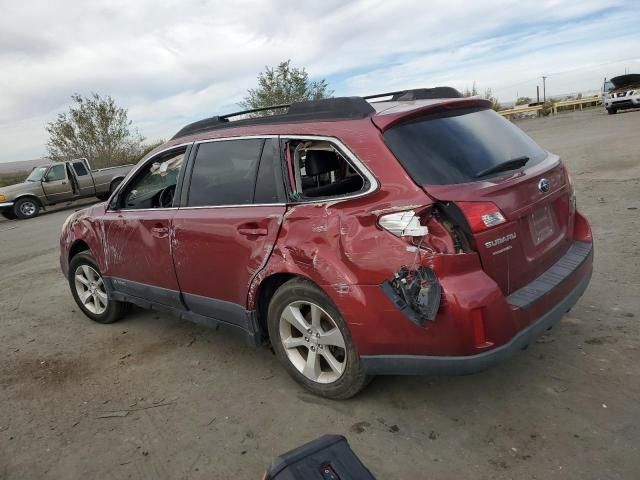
(224, 172)
(80, 169)
(455, 147)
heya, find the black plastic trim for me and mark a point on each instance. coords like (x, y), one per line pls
(163, 296)
(327, 109)
(220, 314)
(466, 365)
(526, 296)
(219, 309)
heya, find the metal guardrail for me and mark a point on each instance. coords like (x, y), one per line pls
(575, 103)
(578, 102)
(515, 111)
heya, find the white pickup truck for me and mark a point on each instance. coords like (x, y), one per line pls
(58, 182)
(621, 92)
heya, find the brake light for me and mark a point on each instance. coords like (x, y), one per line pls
(481, 215)
(403, 224)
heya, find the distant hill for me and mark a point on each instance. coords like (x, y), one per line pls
(19, 167)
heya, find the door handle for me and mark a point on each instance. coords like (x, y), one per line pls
(252, 231)
(160, 231)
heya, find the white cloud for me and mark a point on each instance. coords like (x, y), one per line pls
(174, 61)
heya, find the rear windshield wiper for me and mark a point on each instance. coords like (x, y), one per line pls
(512, 164)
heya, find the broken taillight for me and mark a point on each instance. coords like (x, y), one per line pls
(403, 224)
(481, 215)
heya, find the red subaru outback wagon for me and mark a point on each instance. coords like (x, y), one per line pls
(413, 232)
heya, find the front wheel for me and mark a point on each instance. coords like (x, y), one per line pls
(9, 214)
(90, 293)
(612, 111)
(312, 340)
(26, 208)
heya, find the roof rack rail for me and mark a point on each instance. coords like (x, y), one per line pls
(338, 108)
(418, 94)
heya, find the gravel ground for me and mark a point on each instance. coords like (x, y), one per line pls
(193, 403)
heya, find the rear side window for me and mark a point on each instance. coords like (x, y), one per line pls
(457, 146)
(80, 169)
(224, 173)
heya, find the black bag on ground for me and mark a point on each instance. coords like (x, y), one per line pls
(326, 458)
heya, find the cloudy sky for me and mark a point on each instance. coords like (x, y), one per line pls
(170, 62)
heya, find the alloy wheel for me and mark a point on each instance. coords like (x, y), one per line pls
(90, 289)
(28, 208)
(313, 342)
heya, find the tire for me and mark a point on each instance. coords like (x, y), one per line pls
(9, 214)
(612, 111)
(325, 331)
(26, 208)
(99, 307)
(114, 184)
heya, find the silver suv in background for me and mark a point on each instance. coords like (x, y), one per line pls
(621, 93)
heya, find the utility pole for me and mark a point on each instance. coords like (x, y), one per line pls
(538, 92)
(544, 89)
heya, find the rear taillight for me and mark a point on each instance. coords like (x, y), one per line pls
(403, 224)
(481, 215)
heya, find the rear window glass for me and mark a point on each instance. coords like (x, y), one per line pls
(224, 173)
(455, 147)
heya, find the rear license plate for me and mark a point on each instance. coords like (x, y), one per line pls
(541, 224)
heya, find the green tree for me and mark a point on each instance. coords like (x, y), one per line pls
(495, 103)
(282, 85)
(547, 108)
(148, 147)
(471, 93)
(523, 101)
(94, 128)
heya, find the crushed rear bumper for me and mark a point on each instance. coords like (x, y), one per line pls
(468, 364)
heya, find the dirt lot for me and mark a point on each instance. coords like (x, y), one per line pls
(194, 403)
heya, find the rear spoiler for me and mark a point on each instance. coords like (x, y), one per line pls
(385, 121)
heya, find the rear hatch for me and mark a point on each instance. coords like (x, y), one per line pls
(511, 198)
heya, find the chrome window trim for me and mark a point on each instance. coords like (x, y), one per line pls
(235, 206)
(239, 137)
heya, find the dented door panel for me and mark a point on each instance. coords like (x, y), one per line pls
(219, 250)
(136, 248)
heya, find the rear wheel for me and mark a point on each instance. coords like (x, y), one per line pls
(612, 111)
(26, 208)
(112, 187)
(90, 293)
(312, 340)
